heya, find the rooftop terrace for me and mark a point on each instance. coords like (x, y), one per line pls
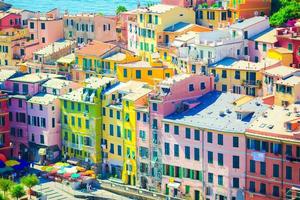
(36, 77)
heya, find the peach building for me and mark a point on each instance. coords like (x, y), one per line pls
(86, 27)
(273, 155)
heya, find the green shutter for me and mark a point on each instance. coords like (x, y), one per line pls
(180, 172)
(172, 171)
(164, 169)
(192, 174)
(200, 178)
(187, 189)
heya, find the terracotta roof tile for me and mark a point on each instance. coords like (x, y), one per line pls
(95, 48)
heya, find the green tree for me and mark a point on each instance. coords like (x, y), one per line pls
(101, 14)
(17, 191)
(30, 181)
(2, 197)
(120, 9)
(5, 185)
(290, 9)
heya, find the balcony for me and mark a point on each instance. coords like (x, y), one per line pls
(163, 45)
(253, 83)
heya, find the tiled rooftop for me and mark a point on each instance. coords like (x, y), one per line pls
(35, 77)
(5, 74)
(267, 36)
(282, 50)
(95, 83)
(54, 47)
(95, 48)
(218, 111)
(280, 71)
(248, 22)
(180, 26)
(231, 63)
(56, 83)
(43, 99)
(291, 80)
(273, 119)
(116, 57)
(158, 8)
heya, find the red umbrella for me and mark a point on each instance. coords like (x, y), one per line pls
(3, 157)
(54, 171)
(67, 175)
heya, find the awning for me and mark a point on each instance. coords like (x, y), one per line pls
(174, 185)
(177, 43)
(42, 151)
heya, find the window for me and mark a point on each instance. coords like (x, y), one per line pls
(111, 130)
(256, 59)
(31, 25)
(209, 137)
(196, 154)
(220, 139)
(154, 106)
(111, 113)
(118, 115)
(202, 86)
(256, 45)
(42, 141)
(20, 103)
(167, 128)
(187, 152)
(210, 177)
(210, 157)
(235, 141)
(224, 88)
(176, 130)
(288, 150)
(246, 51)
(290, 47)
(220, 180)
(197, 135)
(87, 124)
(224, 74)
(237, 75)
(125, 73)
(288, 173)
(275, 191)
(236, 162)
(156, 19)
(191, 87)
(43, 40)
(252, 186)
(235, 182)
(275, 170)
(246, 35)
(220, 159)
(167, 148)
(238, 52)
(188, 133)
(119, 150)
(43, 26)
(264, 47)
(262, 188)
(25, 89)
(112, 149)
(262, 168)
(176, 150)
(252, 166)
(138, 74)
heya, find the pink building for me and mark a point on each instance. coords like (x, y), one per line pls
(187, 3)
(261, 43)
(167, 99)
(9, 20)
(45, 29)
(44, 123)
(273, 155)
(125, 20)
(203, 146)
(290, 38)
(20, 89)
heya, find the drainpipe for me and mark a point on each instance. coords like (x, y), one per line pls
(282, 192)
(246, 168)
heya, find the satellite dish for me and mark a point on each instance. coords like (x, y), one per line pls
(240, 195)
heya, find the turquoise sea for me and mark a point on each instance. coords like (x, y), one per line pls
(106, 7)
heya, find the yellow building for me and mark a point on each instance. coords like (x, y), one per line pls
(82, 120)
(99, 58)
(10, 46)
(287, 90)
(150, 73)
(282, 54)
(241, 77)
(153, 20)
(215, 17)
(119, 129)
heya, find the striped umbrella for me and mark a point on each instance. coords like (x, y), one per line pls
(75, 176)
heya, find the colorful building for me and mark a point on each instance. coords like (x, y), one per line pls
(287, 90)
(289, 38)
(260, 44)
(271, 76)
(44, 120)
(273, 152)
(204, 156)
(87, 27)
(9, 20)
(151, 73)
(241, 77)
(81, 116)
(5, 145)
(100, 58)
(282, 54)
(25, 15)
(20, 89)
(166, 99)
(153, 20)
